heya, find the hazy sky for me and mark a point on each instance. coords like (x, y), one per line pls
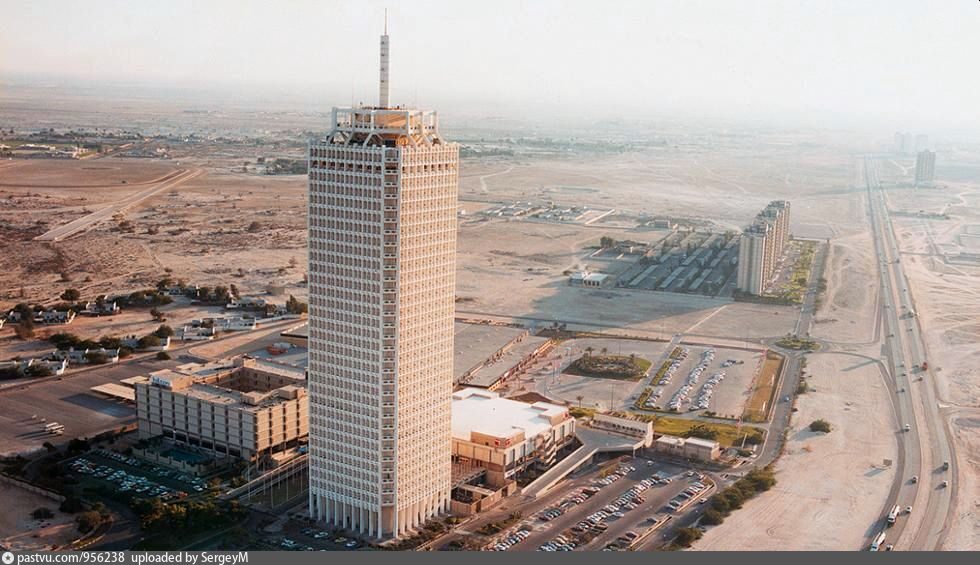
(863, 59)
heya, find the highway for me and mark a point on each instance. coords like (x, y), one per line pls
(71, 228)
(927, 444)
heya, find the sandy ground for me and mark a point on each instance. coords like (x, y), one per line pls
(243, 342)
(849, 302)
(202, 230)
(20, 532)
(831, 486)
(965, 532)
(684, 181)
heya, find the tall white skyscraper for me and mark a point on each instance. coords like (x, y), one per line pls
(382, 278)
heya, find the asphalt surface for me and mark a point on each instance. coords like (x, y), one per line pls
(654, 500)
(68, 399)
(927, 443)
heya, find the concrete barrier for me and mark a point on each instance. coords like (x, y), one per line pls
(7, 479)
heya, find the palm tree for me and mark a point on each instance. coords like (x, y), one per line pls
(589, 350)
(580, 398)
(605, 350)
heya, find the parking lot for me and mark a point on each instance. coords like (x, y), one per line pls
(706, 379)
(607, 512)
(299, 535)
(594, 392)
(70, 401)
(132, 475)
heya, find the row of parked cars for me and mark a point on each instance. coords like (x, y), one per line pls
(511, 540)
(196, 484)
(707, 389)
(593, 523)
(125, 482)
(623, 542)
(596, 523)
(692, 491)
(681, 396)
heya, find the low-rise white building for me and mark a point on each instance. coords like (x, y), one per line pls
(56, 367)
(133, 342)
(586, 278)
(84, 356)
(48, 317)
(688, 448)
(103, 307)
(506, 436)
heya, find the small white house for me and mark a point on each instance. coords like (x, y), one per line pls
(586, 278)
(246, 302)
(52, 317)
(105, 307)
(74, 356)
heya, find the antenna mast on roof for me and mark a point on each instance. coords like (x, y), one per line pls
(383, 91)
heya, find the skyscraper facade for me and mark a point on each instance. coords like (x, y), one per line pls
(925, 167)
(382, 276)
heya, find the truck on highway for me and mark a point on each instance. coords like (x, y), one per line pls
(876, 543)
(893, 515)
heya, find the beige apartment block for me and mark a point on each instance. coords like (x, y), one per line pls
(925, 168)
(382, 277)
(762, 246)
(232, 407)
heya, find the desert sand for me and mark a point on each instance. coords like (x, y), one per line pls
(831, 487)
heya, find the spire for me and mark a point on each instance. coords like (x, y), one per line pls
(383, 91)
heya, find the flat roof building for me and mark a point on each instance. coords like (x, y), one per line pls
(688, 448)
(506, 436)
(232, 407)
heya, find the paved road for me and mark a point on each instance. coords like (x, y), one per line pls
(782, 411)
(71, 228)
(927, 444)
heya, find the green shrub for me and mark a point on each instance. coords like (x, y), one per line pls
(687, 536)
(820, 426)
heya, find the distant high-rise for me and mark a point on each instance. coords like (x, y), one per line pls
(382, 278)
(761, 246)
(925, 167)
(921, 143)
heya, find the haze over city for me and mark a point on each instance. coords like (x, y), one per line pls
(503, 276)
(817, 63)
